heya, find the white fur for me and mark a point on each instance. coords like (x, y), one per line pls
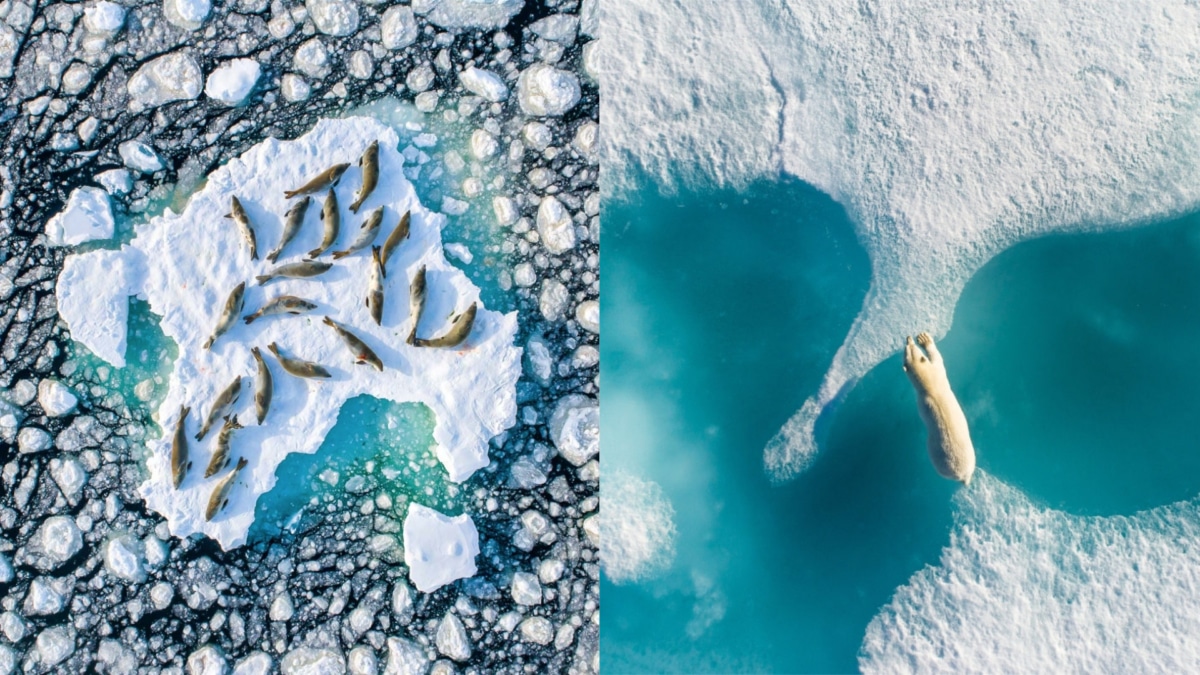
(949, 439)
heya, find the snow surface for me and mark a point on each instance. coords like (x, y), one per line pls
(233, 81)
(87, 217)
(438, 549)
(185, 266)
(1025, 589)
(949, 131)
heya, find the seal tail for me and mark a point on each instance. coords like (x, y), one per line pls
(338, 255)
(262, 279)
(288, 194)
(249, 319)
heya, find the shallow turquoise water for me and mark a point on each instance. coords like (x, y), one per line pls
(1073, 357)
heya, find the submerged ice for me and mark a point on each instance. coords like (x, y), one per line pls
(946, 147)
(185, 264)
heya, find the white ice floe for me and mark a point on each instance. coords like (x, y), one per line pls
(545, 90)
(1021, 588)
(557, 27)
(55, 398)
(468, 13)
(103, 18)
(312, 58)
(484, 83)
(186, 264)
(187, 14)
(333, 17)
(945, 148)
(438, 549)
(555, 226)
(97, 312)
(637, 528)
(398, 27)
(295, 88)
(87, 217)
(115, 181)
(171, 77)
(140, 156)
(575, 428)
(123, 559)
(54, 645)
(233, 81)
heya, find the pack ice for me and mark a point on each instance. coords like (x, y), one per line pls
(185, 266)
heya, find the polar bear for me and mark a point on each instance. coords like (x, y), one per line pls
(949, 439)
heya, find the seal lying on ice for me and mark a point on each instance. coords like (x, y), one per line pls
(949, 439)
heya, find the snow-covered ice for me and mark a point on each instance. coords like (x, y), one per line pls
(468, 13)
(484, 83)
(544, 90)
(104, 17)
(86, 217)
(575, 428)
(233, 81)
(555, 225)
(140, 156)
(438, 549)
(185, 264)
(398, 26)
(56, 398)
(171, 77)
(97, 314)
(32, 439)
(187, 14)
(333, 17)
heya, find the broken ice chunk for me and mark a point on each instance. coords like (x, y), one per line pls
(233, 81)
(87, 217)
(438, 549)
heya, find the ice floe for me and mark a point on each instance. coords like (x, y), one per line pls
(185, 265)
(233, 81)
(438, 549)
(87, 217)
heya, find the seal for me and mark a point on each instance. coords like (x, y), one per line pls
(949, 442)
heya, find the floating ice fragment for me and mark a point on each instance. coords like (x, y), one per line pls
(461, 252)
(139, 156)
(553, 300)
(6, 570)
(103, 18)
(55, 398)
(559, 28)
(312, 661)
(282, 607)
(544, 90)
(360, 64)
(454, 207)
(87, 217)
(526, 590)
(575, 428)
(484, 83)
(294, 87)
(54, 645)
(555, 226)
(69, 475)
(45, 597)
(172, 77)
(438, 549)
(451, 639)
(505, 210)
(257, 663)
(123, 559)
(483, 145)
(161, 594)
(207, 660)
(398, 27)
(233, 81)
(551, 570)
(187, 14)
(537, 629)
(8, 660)
(76, 78)
(333, 17)
(32, 439)
(57, 541)
(589, 17)
(468, 13)
(96, 313)
(312, 58)
(588, 315)
(362, 661)
(405, 657)
(115, 181)
(8, 50)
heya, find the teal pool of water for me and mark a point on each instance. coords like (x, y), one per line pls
(1073, 357)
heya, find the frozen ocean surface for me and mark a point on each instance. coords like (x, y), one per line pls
(1021, 183)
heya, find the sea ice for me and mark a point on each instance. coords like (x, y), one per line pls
(122, 559)
(575, 428)
(398, 27)
(207, 660)
(438, 549)
(171, 77)
(468, 13)
(187, 14)
(312, 661)
(544, 90)
(557, 27)
(1064, 117)
(140, 156)
(233, 81)
(537, 629)
(115, 181)
(333, 17)
(32, 439)
(55, 644)
(55, 398)
(184, 264)
(97, 314)
(405, 658)
(104, 18)
(451, 639)
(484, 83)
(555, 225)
(56, 542)
(312, 59)
(87, 217)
